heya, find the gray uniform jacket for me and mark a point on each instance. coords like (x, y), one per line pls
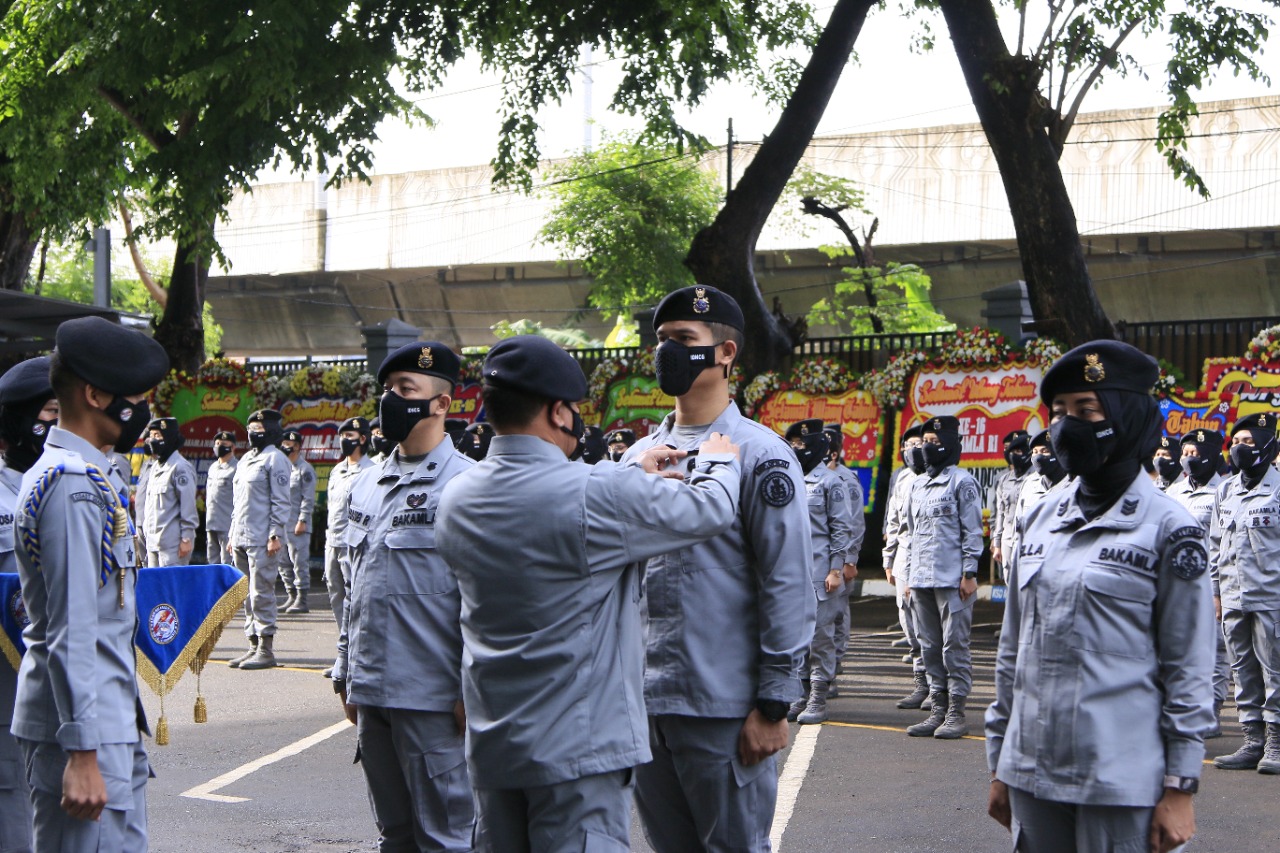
(261, 508)
(729, 620)
(138, 506)
(1197, 500)
(403, 644)
(76, 686)
(219, 495)
(1103, 677)
(302, 493)
(341, 477)
(1244, 544)
(169, 511)
(830, 526)
(1004, 509)
(897, 544)
(547, 555)
(944, 521)
(10, 485)
(856, 509)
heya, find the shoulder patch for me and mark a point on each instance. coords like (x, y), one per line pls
(770, 464)
(1186, 533)
(182, 480)
(307, 477)
(1189, 559)
(969, 491)
(282, 479)
(837, 494)
(91, 498)
(776, 489)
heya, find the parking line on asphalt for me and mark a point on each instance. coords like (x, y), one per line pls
(206, 791)
(316, 669)
(793, 773)
(886, 729)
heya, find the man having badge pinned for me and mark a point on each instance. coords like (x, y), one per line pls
(302, 505)
(219, 494)
(1244, 548)
(399, 659)
(729, 620)
(78, 719)
(1103, 675)
(169, 518)
(552, 662)
(261, 518)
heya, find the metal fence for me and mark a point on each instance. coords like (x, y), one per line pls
(1187, 343)
(861, 353)
(286, 366)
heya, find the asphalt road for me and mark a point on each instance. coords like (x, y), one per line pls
(868, 788)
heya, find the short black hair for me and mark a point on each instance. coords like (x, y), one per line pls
(724, 332)
(509, 408)
(66, 384)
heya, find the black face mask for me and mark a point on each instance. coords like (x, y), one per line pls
(1047, 465)
(1019, 461)
(28, 434)
(349, 446)
(815, 448)
(222, 450)
(1082, 447)
(380, 444)
(132, 417)
(399, 416)
(915, 459)
(158, 447)
(1250, 461)
(579, 432)
(678, 366)
(1199, 470)
(259, 440)
(1168, 469)
(934, 455)
(616, 455)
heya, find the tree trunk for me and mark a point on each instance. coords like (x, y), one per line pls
(723, 253)
(1005, 92)
(18, 241)
(181, 327)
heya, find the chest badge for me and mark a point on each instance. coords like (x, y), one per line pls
(416, 501)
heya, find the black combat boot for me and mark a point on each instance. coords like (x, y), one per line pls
(1270, 763)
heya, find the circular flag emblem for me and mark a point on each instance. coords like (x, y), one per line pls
(163, 624)
(18, 610)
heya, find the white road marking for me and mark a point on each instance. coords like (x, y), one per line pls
(793, 773)
(206, 791)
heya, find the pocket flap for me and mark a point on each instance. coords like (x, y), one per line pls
(442, 759)
(744, 775)
(1127, 587)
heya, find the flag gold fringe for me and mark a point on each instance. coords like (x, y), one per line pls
(10, 651)
(202, 710)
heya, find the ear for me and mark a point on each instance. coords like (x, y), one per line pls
(443, 402)
(729, 353)
(95, 398)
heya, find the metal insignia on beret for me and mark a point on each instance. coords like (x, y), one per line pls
(701, 304)
(1262, 420)
(1094, 369)
(1200, 436)
(425, 359)
(804, 429)
(1164, 441)
(776, 489)
(1189, 559)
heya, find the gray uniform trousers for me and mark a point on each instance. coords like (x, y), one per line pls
(15, 796)
(337, 577)
(163, 557)
(697, 795)
(123, 824)
(1254, 638)
(260, 606)
(822, 652)
(1221, 667)
(296, 568)
(418, 784)
(842, 621)
(587, 815)
(943, 623)
(1045, 826)
(906, 616)
(215, 547)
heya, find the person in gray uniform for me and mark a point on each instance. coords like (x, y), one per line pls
(832, 535)
(302, 505)
(219, 493)
(78, 719)
(353, 438)
(399, 662)
(481, 434)
(261, 517)
(1047, 475)
(552, 653)
(1165, 462)
(1008, 483)
(28, 410)
(1244, 547)
(1103, 692)
(835, 462)
(379, 446)
(728, 621)
(943, 514)
(1201, 454)
(619, 440)
(169, 518)
(895, 555)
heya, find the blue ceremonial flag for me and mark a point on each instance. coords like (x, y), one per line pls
(13, 618)
(181, 613)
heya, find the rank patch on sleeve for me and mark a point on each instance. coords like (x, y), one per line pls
(776, 489)
(1189, 559)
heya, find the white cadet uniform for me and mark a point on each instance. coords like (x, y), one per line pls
(168, 509)
(219, 495)
(302, 503)
(1103, 676)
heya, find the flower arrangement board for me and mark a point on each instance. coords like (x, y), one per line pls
(634, 402)
(1184, 413)
(1252, 385)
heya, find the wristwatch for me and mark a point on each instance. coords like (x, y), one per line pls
(339, 686)
(1185, 784)
(970, 576)
(772, 710)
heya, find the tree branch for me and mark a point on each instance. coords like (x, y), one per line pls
(158, 139)
(813, 207)
(157, 292)
(1069, 118)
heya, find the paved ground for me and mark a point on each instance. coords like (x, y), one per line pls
(868, 788)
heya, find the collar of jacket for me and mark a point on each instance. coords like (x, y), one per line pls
(428, 469)
(1267, 486)
(1125, 514)
(729, 415)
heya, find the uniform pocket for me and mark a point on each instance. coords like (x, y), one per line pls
(1115, 614)
(441, 783)
(414, 566)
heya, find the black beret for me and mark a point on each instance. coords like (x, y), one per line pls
(359, 424)
(1020, 441)
(916, 431)
(942, 423)
(1261, 421)
(833, 428)
(292, 435)
(700, 302)
(1170, 444)
(168, 427)
(376, 423)
(1010, 436)
(123, 362)
(1208, 442)
(1099, 365)
(454, 426)
(808, 426)
(430, 358)
(225, 435)
(1041, 439)
(266, 417)
(624, 436)
(535, 365)
(26, 381)
(480, 428)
